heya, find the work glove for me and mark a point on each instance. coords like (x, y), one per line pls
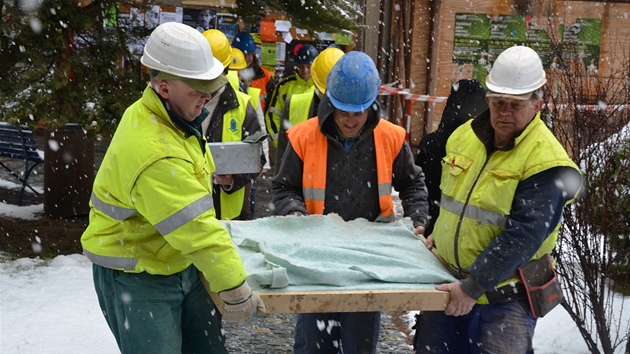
(240, 304)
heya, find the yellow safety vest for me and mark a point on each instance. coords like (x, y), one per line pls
(235, 82)
(299, 107)
(289, 86)
(484, 190)
(174, 231)
(312, 147)
(233, 120)
(254, 93)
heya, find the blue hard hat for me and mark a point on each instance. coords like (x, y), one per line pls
(244, 42)
(353, 83)
(306, 54)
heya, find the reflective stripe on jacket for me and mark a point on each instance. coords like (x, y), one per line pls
(299, 107)
(140, 221)
(478, 190)
(232, 204)
(312, 147)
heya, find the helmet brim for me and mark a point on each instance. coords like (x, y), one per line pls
(521, 97)
(215, 70)
(348, 107)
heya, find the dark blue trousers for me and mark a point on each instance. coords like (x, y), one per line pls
(347, 332)
(496, 328)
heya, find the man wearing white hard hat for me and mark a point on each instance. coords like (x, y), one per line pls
(505, 182)
(153, 232)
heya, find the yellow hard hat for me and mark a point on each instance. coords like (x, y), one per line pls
(220, 45)
(238, 61)
(322, 65)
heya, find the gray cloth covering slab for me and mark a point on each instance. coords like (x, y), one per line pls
(322, 251)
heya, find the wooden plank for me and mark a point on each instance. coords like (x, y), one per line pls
(367, 297)
(354, 301)
(346, 300)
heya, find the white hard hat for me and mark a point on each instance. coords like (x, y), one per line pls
(517, 71)
(180, 50)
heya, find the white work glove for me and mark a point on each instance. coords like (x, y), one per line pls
(240, 304)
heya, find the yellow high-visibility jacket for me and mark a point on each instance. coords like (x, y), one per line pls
(478, 190)
(289, 86)
(151, 206)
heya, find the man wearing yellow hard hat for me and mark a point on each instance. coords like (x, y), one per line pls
(303, 106)
(300, 81)
(232, 118)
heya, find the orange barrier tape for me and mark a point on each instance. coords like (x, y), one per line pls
(590, 107)
(388, 91)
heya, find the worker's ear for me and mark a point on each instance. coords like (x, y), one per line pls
(538, 104)
(164, 89)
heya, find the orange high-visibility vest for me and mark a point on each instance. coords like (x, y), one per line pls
(261, 83)
(312, 148)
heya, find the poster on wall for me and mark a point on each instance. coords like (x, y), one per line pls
(136, 17)
(176, 16)
(149, 17)
(226, 23)
(152, 16)
(200, 19)
(472, 32)
(505, 31)
(343, 39)
(584, 38)
(479, 39)
(538, 39)
(267, 31)
(268, 54)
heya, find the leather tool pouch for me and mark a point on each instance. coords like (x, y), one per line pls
(541, 285)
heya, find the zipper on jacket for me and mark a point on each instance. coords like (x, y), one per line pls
(461, 216)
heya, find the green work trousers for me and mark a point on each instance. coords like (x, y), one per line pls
(159, 314)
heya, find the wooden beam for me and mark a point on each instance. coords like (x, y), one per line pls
(353, 301)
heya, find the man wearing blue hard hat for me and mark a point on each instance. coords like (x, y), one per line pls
(346, 161)
(260, 77)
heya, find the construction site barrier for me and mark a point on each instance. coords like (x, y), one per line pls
(589, 107)
(388, 91)
(409, 98)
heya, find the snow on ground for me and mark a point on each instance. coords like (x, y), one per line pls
(51, 307)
